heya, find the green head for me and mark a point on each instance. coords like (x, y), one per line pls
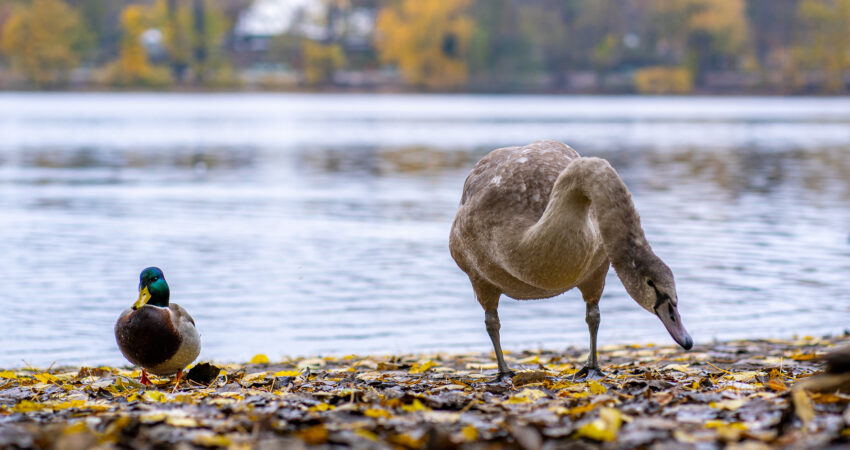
(153, 290)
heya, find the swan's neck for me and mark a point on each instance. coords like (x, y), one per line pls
(592, 183)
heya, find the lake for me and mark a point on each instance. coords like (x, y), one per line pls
(301, 224)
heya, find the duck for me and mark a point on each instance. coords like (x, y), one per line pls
(538, 220)
(158, 336)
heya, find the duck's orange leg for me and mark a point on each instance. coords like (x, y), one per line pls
(177, 381)
(145, 379)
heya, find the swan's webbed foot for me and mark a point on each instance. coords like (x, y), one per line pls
(588, 373)
(503, 376)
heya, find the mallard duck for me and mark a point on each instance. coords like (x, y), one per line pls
(154, 334)
(539, 220)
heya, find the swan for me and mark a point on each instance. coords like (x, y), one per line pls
(539, 220)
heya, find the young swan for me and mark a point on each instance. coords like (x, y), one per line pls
(154, 334)
(539, 220)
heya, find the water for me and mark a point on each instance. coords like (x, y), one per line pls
(318, 224)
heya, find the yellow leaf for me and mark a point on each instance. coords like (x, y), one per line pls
(210, 440)
(8, 374)
(367, 434)
(153, 416)
(406, 440)
(803, 356)
(415, 406)
(605, 428)
(532, 394)
(287, 373)
(253, 377)
(729, 405)
(727, 431)
(535, 359)
(517, 400)
(677, 367)
(259, 359)
(741, 376)
(422, 366)
(185, 422)
(579, 410)
(777, 385)
(596, 388)
(68, 405)
(79, 427)
(469, 433)
(803, 405)
(28, 406)
(322, 407)
(376, 413)
(314, 435)
(153, 397)
(46, 378)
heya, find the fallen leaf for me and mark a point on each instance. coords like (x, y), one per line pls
(469, 433)
(803, 405)
(728, 405)
(377, 413)
(605, 428)
(596, 387)
(422, 366)
(259, 358)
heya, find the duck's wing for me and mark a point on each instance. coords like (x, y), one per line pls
(180, 314)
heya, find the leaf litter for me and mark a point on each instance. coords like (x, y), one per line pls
(754, 394)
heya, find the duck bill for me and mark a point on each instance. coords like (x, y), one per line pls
(669, 315)
(144, 297)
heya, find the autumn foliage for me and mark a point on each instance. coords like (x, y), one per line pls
(427, 40)
(44, 41)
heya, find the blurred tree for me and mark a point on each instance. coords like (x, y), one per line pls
(427, 39)
(663, 80)
(321, 61)
(102, 20)
(824, 40)
(706, 34)
(194, 33)
(44, 41)
(133, 67)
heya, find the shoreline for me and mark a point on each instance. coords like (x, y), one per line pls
(715, 394)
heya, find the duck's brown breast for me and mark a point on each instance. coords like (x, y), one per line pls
(147, 336)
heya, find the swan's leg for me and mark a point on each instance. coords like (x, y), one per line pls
(488, 297)
(591, 290)
(591, 369)
(491, 320)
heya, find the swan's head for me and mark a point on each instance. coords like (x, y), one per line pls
(651, 284)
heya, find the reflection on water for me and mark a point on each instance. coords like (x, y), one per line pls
(326, 231)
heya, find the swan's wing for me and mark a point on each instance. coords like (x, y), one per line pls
(484, 171)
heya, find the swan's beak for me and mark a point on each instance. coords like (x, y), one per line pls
(669, 315)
